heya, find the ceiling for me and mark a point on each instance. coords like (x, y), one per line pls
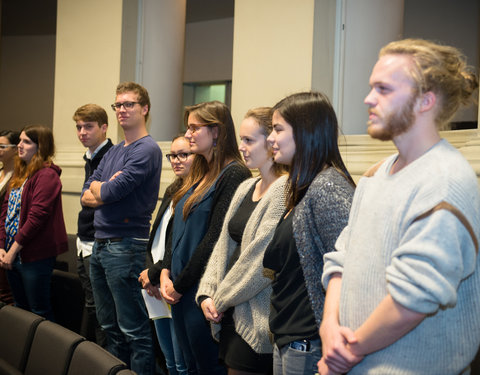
(38, 17)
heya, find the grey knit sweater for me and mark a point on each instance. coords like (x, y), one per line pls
(425, 260)
(245, 287)
(317, 222)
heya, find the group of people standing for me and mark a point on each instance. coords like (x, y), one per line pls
(293, 271)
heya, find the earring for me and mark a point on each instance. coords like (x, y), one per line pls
(215, 142)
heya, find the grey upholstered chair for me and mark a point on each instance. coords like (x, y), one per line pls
(89, 358)
(52, 349)
(17, 327)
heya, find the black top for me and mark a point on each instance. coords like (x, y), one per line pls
(154, 269)
(238, 222)
(291, 314)
(86, 231)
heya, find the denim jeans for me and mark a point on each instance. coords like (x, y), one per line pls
(90, 327)
(114, 270)
(31, 285)
(194, 336)
(167, 340)
(289, 361)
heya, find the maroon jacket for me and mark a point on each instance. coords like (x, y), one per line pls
(41, 229)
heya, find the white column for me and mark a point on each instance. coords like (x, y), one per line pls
(369, 25)
(160, 65)
(272, 52)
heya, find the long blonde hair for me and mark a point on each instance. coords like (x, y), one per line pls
(211, 114)
(42, 136)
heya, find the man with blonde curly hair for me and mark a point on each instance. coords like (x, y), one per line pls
(403, 287)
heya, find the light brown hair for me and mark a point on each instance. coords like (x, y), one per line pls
(42, 136)
(440, 69)
(211, 114)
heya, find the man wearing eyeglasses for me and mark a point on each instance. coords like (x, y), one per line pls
(91, 122)
(124, 191)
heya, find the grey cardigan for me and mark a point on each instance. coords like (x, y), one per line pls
(245, 287)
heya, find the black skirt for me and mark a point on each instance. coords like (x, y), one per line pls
(236, 353)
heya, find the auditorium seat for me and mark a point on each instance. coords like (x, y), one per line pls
(52, 349)
(67, 300)
(91, 359)
(17, 327)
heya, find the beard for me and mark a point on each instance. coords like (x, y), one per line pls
(396, 123)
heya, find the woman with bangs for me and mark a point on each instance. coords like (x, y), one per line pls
(319, 196)
(32, 230)
(199, 210)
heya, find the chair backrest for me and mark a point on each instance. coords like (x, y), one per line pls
(126, 372)
(89, 358)
(52, 349)
(17, 327)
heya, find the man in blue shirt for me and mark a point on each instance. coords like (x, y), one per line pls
(124, 191)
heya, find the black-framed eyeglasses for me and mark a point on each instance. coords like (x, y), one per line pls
(4, 147)
(126, 105)
(182, 156)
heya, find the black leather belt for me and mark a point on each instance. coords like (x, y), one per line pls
(107, 240)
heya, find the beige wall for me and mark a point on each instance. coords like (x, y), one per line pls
(272, 52)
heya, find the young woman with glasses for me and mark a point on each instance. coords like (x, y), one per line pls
(200, 207)
(32, 230)
(181, 160)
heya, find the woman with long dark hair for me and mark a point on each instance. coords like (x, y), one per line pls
(319, 195)
(199, 210)
(32, 230)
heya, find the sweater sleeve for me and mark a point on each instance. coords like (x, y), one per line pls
(435, 255)
(320, 218)
(46, 187)
(334, 260)
(224, 192)
(143, 159)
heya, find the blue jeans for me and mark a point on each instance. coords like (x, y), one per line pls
(31, 285)
(194, 336)
(114, 270)
(290, 361)
(169, 345)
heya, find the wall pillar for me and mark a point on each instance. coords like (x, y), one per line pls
(272, 52)
(368, 26)
(160, 68)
